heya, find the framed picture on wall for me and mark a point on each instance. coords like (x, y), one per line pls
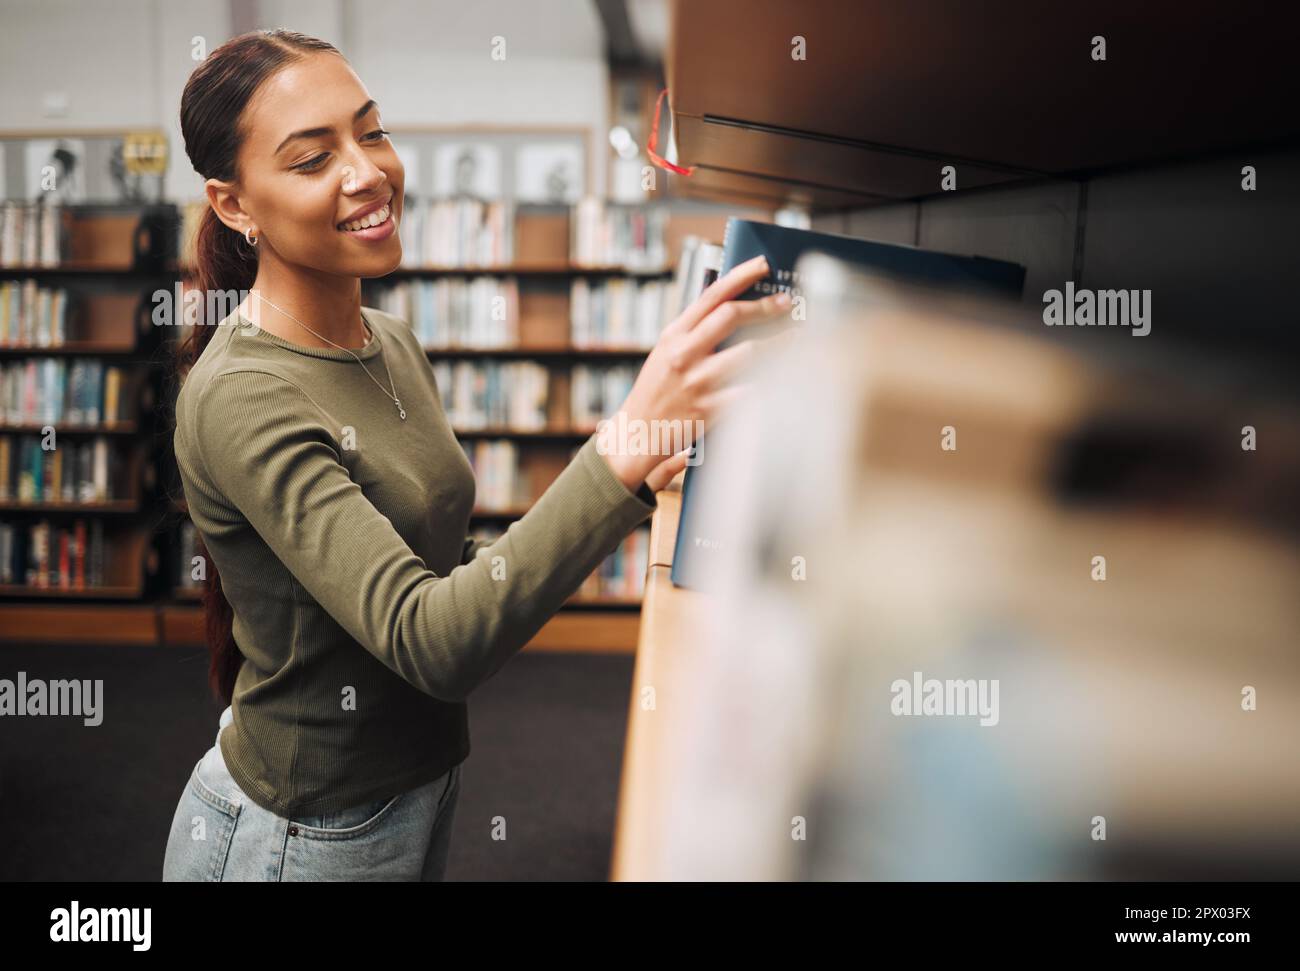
(550, 172)
(543, 164)
(91, 167)
(467, 169)
(55, 170)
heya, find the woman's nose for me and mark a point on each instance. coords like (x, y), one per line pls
(362, 176)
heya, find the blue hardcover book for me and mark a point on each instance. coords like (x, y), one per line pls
(698, 546)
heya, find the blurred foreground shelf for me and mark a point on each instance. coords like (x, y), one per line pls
(662, 639)
(596, 630)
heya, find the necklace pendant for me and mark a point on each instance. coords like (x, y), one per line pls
(401, 411)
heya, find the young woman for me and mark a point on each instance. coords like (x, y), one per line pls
(348, 616)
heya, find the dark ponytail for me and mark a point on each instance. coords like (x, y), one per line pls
(212, 108)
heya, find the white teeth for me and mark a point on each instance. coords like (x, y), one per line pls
(365, 222)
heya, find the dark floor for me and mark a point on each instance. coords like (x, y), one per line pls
(95, 803)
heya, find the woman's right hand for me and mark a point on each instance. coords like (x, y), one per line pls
(682, 380)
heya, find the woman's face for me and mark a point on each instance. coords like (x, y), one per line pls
(314, 154)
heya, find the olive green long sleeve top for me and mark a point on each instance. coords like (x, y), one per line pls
(364, 614)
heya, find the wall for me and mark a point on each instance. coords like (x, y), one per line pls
(125, 64)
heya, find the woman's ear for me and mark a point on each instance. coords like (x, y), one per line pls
(225, 203)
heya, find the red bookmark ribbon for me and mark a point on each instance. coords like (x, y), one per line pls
(654, 142)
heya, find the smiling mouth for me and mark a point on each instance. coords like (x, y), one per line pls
(377, 218)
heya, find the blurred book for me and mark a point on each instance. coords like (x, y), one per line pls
(697, 268)
(698, 540)
(620, 312)
(480, 311)
(607, 234)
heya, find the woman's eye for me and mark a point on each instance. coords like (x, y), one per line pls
(314, 164)
(311, 164)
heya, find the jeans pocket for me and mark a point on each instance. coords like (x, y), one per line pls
(202, 829)
(346, 823)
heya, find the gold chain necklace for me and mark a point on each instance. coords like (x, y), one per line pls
(392, 394)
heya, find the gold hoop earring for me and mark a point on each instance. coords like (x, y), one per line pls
(249, 237)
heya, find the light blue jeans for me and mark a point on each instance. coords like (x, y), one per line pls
(219, 834)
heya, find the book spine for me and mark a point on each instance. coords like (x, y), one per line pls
(96, 569)
(6, 553)
(112, 391)
(79, 563)
(101, 470)
(65, 570)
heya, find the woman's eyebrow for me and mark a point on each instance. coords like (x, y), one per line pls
(315, 132)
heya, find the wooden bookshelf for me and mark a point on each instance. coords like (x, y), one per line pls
(113, 428)
(577, 627)
(570, 435)
(67, 349)
(553, 270)
(126, 561)
(525, 351)
(83, 268)
(108, 281)
(103, 591)
(106, 506)
(562, 270)
(864, 119)
(112, 321)
(67, 623)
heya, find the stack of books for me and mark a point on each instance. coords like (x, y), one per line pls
(38, 555)
(617, 312)
(32, 315)
(39, 390)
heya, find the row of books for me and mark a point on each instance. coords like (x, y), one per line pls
(612, 235)
(70, 472)
(30, 233)
(617, 312)
(76, 391)
(457, 232)
(457, 311)
(596, 391)
(493, 394)
(32, 314)
(498, 484)
(622, 574)
(41, 555)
